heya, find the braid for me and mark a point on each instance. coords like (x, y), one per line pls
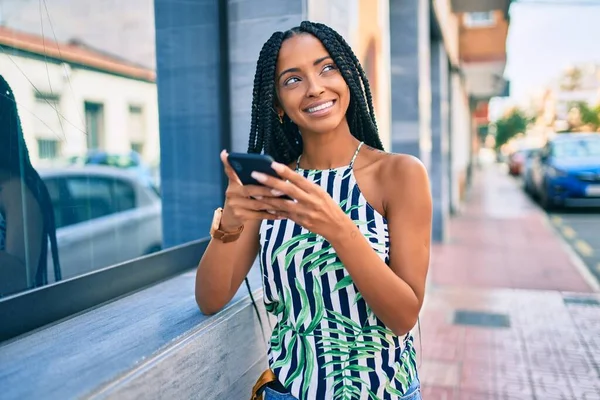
(283, 141)
(20, 166)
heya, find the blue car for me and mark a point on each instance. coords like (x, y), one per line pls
(566, 172)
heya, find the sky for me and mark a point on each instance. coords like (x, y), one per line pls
(544, 39)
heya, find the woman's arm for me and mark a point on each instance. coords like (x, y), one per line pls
(394, 293)
(24, 235)
(223, 267)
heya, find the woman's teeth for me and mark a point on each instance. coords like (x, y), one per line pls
(321, 107)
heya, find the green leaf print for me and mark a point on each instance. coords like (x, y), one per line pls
(320, 308)
(292, 253)
(299, 344)
(313, 256)
(322, 260)
(288, 357)
(304, 312)
(345, 282)
(354, 343)
(286, 245)
(332, 267)
(310, 366)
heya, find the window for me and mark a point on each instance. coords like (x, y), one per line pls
(48, 126)
(94, 122)
(577, 148)
(479, 19)
(48, 149)
(137, 130)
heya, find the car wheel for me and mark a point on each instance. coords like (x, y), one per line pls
(545, 201)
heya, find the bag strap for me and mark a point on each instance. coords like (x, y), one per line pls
(266, 377)
(262, 327)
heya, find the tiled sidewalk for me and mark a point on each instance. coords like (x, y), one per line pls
(508, 314)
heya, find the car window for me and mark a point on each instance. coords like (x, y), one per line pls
(54, 189)
(96, 197)
(577, 148)
(123, 195)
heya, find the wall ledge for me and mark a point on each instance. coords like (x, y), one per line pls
(151, 344)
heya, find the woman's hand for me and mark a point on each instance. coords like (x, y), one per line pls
(243, 203)
(312, 207)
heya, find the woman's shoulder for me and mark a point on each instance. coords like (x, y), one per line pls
(396, 168)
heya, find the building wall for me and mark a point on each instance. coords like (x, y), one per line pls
(341, 15)
(250, 27)
(372, 48)
(449, 24)
(459, 140)
(114, 92)
(483, 43)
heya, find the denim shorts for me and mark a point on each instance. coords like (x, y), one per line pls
(270, 394)
(413, 393)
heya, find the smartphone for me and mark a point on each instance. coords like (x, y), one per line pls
(244, 163)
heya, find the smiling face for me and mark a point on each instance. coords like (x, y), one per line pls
(310, 88)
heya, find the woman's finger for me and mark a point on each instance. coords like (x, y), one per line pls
(248, 204)
(258, 191)
(228, 170)
(298, 180)
(280, 205)
(280, 187)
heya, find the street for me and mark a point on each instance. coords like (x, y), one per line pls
(511, 312)
(580, 229)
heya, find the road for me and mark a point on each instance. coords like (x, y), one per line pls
(581, 229)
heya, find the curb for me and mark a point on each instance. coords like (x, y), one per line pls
(584, 271)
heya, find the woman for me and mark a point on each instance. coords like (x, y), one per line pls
(26, 213)
(344, 264)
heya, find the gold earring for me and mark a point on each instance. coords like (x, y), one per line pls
(280, 118)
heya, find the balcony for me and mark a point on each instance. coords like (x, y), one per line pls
(482, 48)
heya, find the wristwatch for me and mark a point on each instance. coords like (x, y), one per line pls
(217, 233)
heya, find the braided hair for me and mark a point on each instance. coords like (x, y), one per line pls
(18, 165)
(282, 140)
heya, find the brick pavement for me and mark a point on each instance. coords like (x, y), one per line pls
(529, 323)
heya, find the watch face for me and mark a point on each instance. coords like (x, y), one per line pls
(216, 222)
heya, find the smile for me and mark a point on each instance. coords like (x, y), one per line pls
(320, 108)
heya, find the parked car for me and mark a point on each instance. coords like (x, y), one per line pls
(526, 170)
(104, 216)
(567, 171)
(515, 162)
(131, 161)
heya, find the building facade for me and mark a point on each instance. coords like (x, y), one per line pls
(72, 99)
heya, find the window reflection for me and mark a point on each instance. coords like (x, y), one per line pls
(26, 217)
(79, 174)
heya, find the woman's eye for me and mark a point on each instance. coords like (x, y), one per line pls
(291, 81)
(329, 67)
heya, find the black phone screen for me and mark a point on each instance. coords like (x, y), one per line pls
(245, 163)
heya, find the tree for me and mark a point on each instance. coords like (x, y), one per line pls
(571, 79)
(510, 125)
(582, 117)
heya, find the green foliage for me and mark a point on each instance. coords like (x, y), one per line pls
(587, 115)
(511, 125)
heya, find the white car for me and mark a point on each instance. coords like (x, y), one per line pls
(104, 216)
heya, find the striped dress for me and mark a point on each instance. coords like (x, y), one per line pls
(327, 343)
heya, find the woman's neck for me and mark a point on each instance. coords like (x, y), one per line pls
(329, 150)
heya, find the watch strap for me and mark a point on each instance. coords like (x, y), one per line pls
(217, 233)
